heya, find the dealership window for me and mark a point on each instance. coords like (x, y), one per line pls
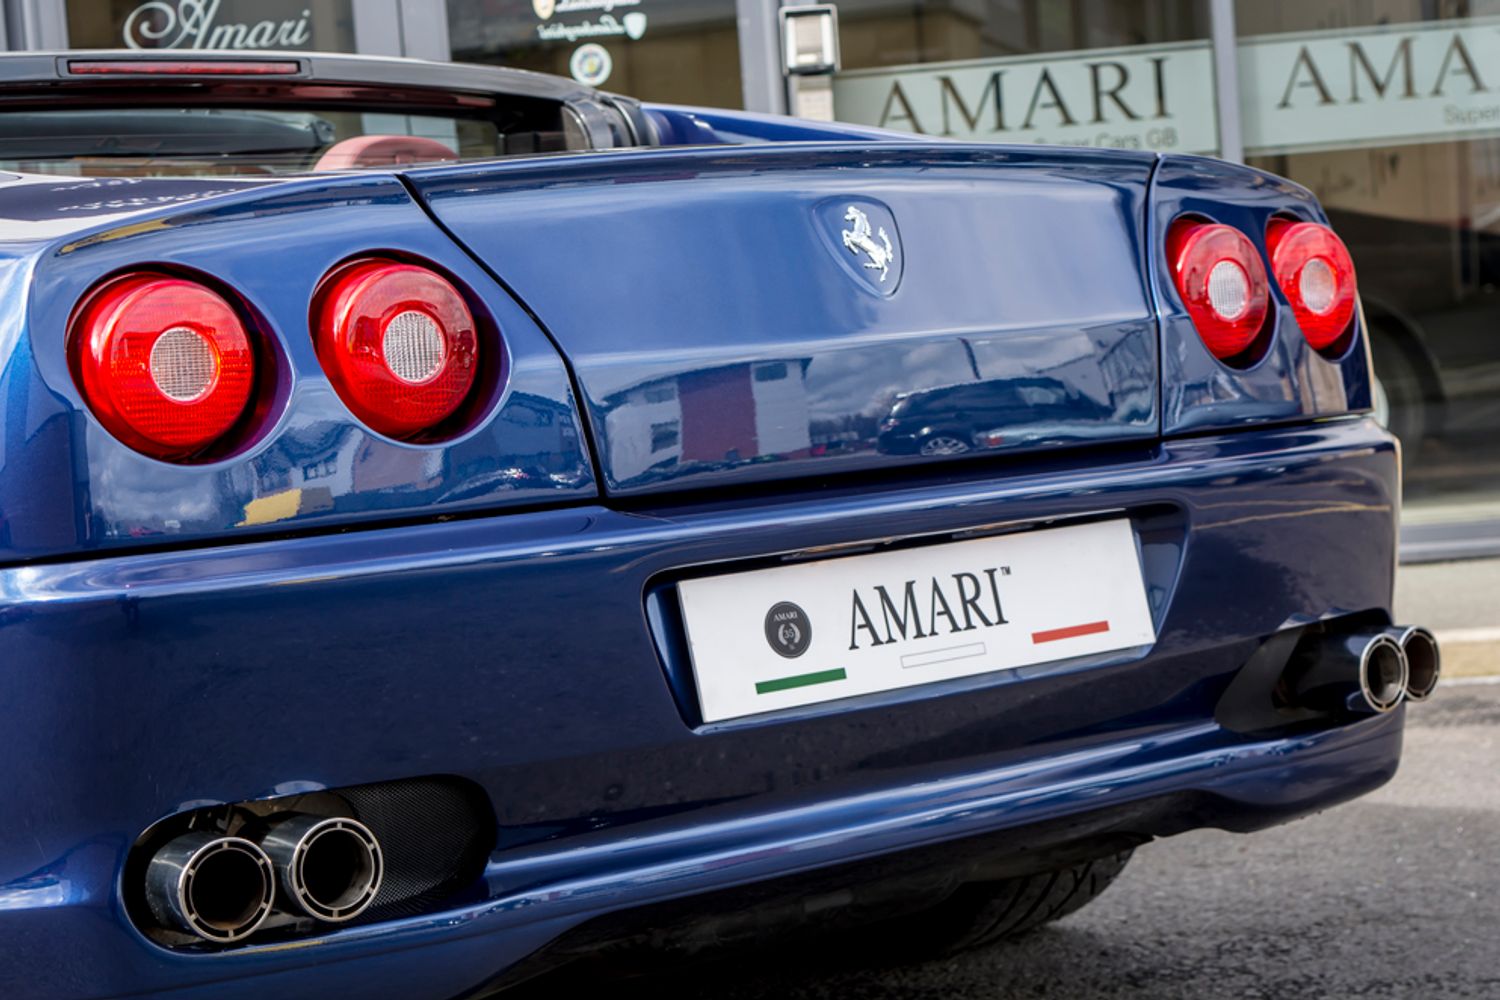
(1120, 73)
(1390, 113)
(881, 33)
(327, 25)
(659, 50)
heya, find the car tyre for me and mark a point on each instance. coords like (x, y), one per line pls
(982, 913)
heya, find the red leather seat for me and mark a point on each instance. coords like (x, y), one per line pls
(383, 151)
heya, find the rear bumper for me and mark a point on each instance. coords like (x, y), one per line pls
(533, 654)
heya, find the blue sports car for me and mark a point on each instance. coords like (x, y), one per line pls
(454, 521)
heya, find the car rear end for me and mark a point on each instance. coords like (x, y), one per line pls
(380, 687)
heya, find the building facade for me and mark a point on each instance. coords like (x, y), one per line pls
(1389, 110)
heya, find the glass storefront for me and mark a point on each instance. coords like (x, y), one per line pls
(1389, 110)
(211, 24)
(881, 33)
(1404, 154)
(1125, 73)
(684, 51)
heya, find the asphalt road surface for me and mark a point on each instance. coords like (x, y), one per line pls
(1394, 895)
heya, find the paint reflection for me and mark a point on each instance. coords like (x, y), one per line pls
(928, 400)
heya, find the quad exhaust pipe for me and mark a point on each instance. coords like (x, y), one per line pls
(222, 888)
(1423, 661)
(328, 868)
(219, 888)
(1367, 672)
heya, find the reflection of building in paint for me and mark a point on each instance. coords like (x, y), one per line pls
(643, 426)
(726, 414)
(1121, 376)
(1082, 376)
(286, 487)
(540, 436)
(347, 462)
(1117, 369)
(1129, 370)
(779, 389)
(541, 450)
(380, 466)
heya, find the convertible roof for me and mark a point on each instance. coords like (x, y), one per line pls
(83, 68)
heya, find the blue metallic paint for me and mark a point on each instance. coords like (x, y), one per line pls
(1289, 382)
(68, 486)
(1243, 534)
(678, 125)
(723, 257)
(537, 653)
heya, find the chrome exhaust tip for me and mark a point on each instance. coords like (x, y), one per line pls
(329, 868)
(219, 888)
(1364, 673)
(1383, 675)
(1424, 662)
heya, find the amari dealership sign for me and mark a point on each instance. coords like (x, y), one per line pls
(1387, 85)
(1150, 97)
(211, 24)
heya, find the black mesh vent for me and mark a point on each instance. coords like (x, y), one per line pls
(435, 834)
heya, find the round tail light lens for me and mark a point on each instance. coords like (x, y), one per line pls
(165, 363)
(1222, 282)
(1316, 274)
(399, 344)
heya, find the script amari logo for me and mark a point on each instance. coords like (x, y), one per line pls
(788, 629)
(194, 24)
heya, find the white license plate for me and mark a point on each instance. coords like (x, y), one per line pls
(801, 634)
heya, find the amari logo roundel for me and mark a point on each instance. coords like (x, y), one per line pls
(788, 629)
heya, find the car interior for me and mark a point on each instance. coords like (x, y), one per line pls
(239, 141)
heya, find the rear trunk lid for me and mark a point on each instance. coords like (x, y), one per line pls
(769, 312)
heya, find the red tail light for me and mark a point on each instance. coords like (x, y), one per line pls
(399, 344)
(1222, 281)
(1316, 274)
(163, 362)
